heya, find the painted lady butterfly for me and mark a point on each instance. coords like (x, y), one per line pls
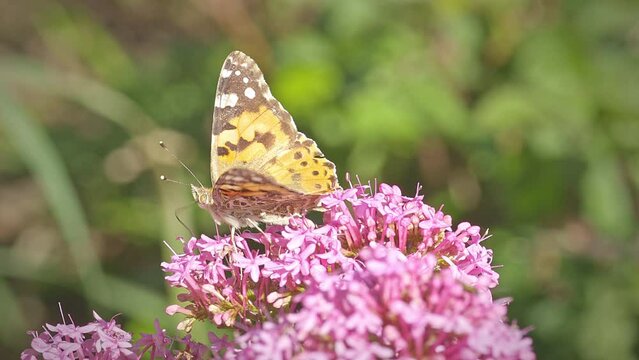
(262, 168)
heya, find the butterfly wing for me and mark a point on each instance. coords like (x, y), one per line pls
(252, 130)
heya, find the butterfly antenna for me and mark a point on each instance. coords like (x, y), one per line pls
(164, 178)
(163, 145)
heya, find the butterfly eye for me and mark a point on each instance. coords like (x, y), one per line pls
(203, 199)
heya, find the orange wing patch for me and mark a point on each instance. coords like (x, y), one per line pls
(253, 189)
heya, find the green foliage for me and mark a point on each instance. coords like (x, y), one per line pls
(520, 116)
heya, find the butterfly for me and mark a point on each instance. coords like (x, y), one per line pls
(262, 168)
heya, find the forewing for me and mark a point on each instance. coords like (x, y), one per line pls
(249, 125)
(252, 130)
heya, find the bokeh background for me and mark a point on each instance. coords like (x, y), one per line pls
(519, 116)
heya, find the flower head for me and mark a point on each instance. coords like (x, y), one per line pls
(250, 276)
(98, 339)
(416, 229)
(248, 285)
(395, 306)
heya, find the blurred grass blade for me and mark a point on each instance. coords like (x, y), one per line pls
(12, 318)
(43, 160)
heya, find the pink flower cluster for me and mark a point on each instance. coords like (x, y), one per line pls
(99, 339)
(395, 307)
(384, 276)
(256, 278)
(411, 226)
(268, 269)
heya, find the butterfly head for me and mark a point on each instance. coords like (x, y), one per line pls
(203, 196)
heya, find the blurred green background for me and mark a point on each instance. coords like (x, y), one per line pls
(519, 116)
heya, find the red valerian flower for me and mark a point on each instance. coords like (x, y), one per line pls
(248, 276)
(99, 339)
(384, 276)
(393, 307)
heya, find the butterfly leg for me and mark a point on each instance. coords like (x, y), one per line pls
(255, 225)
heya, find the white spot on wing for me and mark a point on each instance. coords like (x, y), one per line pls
(245, 80)
(249, 93)
(237, 72)
(226, 100)
(226, 73)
